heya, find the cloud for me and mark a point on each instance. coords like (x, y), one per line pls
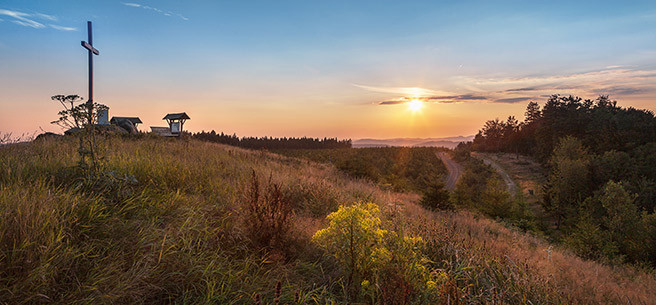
(392, 102)
(522, 89)
(462, 97)
(62, 28)
(154, 9)
(442, 99)
(412, 91)
(21, 18)
(613, 91)
(27, 20)
(46, 17)
(513, 100)
(616, 81)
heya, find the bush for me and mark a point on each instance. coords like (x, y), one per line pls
(496, 201)
(354, 238)
(436, 198)
(383, 266)
(268, 215)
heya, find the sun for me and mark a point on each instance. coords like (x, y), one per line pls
(415, 105)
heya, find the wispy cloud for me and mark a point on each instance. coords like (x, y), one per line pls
(513, 100)
(410, 91)
(28, 20)
(62, 28)
(46, 17)
(23, 19)
(442, 99)
(616, 81)
(154, 9)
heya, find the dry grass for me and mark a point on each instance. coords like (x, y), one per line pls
(525, 171)
(164, 225)
(538, 269)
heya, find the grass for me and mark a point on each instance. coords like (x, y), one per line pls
(397, 168)
(164, 223)
(526, 172)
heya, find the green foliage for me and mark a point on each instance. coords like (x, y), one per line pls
(436, 197)
(473, 182)
(495, 200)
(402, 168)
(355, 239)
(382, 265)
(164, 223)
(569, 181)
(611, 226)
(482, 190)
(600, 124)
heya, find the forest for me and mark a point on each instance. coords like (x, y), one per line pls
(601, 187)
(271, 142)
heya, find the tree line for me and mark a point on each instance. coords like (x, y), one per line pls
(271, 142)
(600, 124)
(601, 189)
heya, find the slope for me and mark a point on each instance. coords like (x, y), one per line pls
(168, 222)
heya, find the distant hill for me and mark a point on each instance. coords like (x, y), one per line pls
(448, 142)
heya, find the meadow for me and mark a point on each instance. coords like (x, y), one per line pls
(412, 169)
(187, 222)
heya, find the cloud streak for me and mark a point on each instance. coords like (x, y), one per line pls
(615, 81)
(513, 100)
(442, 99)
(411, 91)
(28, 20)
(62, 28)
(22, 19)
(154, 9)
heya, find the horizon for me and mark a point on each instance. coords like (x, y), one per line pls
(339, 69)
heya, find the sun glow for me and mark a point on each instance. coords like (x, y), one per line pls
(415, 105)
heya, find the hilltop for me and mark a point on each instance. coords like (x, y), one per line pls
(174, 221)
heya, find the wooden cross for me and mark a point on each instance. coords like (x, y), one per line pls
(92, 51)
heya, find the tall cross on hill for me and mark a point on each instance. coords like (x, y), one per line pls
(92, 51)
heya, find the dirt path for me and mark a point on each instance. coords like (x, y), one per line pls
(512, 187)
(455, 170)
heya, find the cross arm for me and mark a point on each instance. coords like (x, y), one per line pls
(90, 48)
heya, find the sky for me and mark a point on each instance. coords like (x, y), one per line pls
(346, 69)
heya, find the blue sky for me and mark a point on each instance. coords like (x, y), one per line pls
(323, 68)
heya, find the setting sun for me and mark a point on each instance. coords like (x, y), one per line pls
(415, 105)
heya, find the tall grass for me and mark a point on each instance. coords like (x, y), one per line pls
(164, 223)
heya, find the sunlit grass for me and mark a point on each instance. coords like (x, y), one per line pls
(164, 224)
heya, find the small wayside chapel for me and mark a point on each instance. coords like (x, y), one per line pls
(176, 122)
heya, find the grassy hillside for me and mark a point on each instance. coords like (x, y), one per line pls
(401, 168)
(176, 222)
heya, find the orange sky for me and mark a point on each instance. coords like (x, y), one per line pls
(323, 69)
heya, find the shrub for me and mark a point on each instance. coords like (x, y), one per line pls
(436, 198)
(496, 201)
(382, 265)
(353, 236)
(268, 213)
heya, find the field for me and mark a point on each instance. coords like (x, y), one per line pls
(398, 168)
(168, 221)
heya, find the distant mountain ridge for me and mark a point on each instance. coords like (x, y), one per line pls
(448, 142)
